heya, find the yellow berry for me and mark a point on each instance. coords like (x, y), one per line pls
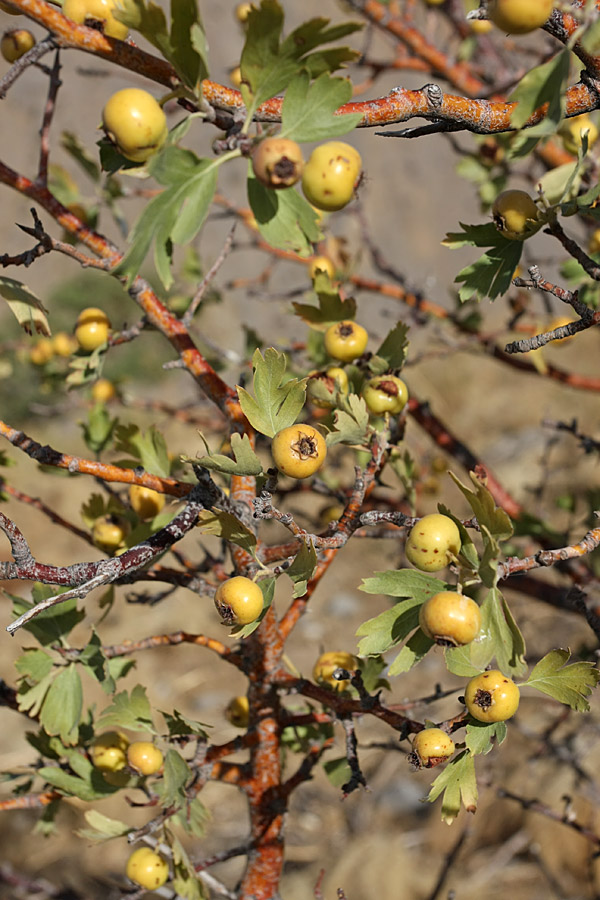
(519, 16)
(16, 43)
(432, 543)
(238, 711)
(147, 869)
(431, 747)
(235, 76)
(298, 451)
(572, 130)
(594, 242)
(242, 11)
(492, 697)
(41, 352)
(108, 533)
(277, 162)
(64, 344)
(134, 120)
(109, 751)
(92, 328)
(321, 264)
(146, 502)
(450, 618)
(103, 391)
(386, 393)
(144, 757)
(239, 600)
(97, 11)
(515, 215)
(326, 665)
(330, 175)
(346, 340)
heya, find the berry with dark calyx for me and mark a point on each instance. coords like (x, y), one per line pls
(322, 387)
(450, 619)
(492, 697)
(431, 747)
(277, 162)
(386, 393)
(109, 532)
(515, 215)
(321, 264)
(346, 340)
(298, 451)
(96, 13)
(16, 43)
(238, 711)
(239, 600)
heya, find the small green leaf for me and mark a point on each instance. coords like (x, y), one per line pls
(302, 568)
(73, 786)
(569, 684)
(285, 219)
(389, 628)
(416, 647)
(176, 776)
(53, 624)
(193, 818)
(179, 725)
(338, 771)
(542, 84)
(96, 664)
(61, 709)
(394, 347)
(27, 309)
(371, 670)
(277, 401)
(98, 430)
(71, 143)
(404, 583)
(34, 665)
(480, 737)
(245, 461)
(102, 828)
(185, 881)
(481, 501)
(227, 527)
(148, 447)
(308, 109)
(458, 783)
(351, 423)
(332, 308)
(506, 638)
(126, 711)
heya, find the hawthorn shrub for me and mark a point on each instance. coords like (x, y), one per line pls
(305, 443)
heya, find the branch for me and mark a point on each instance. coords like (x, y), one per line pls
(544, 558)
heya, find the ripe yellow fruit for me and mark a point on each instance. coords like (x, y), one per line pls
(326, 665)
(277, 162)
(235, 76)
(239, 600)
(321, 264)
(108, 533)
(572, 130)
(92, 328)
(144, 757)
(103, 391)
(432, 543)
(346, 340)
(242, 11)
(146, 502)
(450, 619)
(594, 242)
(109, 751)
(16, 43)
(480, 26)
(492, 697)
(41, 352)
(322, 387)
(298, 451)
(64, 344)
(147, 869)
(98, 11)
(431, 747)
(331, 174)
(519, 16)
(135, 122)
(238, 711)
(386, 393)
(515, 215)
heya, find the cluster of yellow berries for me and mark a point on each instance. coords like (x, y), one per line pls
(110, 531)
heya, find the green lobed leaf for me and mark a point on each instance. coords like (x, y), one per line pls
(179, 725)
(72, 786)
(71, 143)
(277, 401)
(492, 274)
(371, 670)
(505, 636)
(338, 771)
(302, 568)
(472, 236)
(51, 625)
(416, 647)
(193, 817)
(148, 447)
(332, 308)
(404, 583)
(480, 738)
(227, 527)
(394, 347)
(176, 214)
(96, 664)
(128, 711)
(569, 684)
(308, 109)
(389, 628)
(61, 710)
(561, 184)
(185, 881)
(102, 828)
(285, 219)
(98, 430)
(474, 657)
(481, 501)
(176, 776)
(542, 84)
(34, 665)
(245, 461)
(458, 784)
(351, 423)
(31, 696)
